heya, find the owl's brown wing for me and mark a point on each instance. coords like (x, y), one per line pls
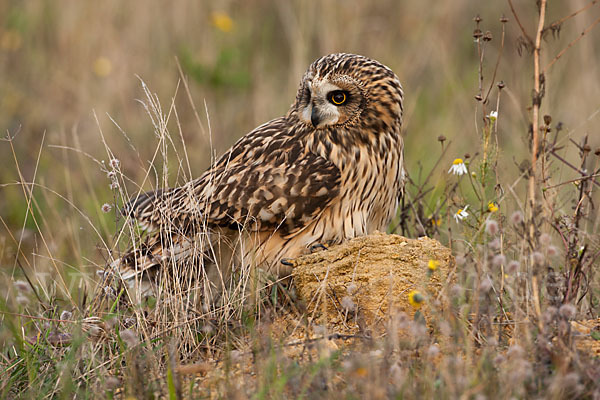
(268, 181)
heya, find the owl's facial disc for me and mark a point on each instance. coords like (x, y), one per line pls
(324, 103)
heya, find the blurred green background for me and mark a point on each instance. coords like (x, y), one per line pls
(63, 62)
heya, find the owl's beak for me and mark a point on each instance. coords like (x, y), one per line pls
(315, 117)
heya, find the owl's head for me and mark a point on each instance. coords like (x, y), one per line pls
(346, 90)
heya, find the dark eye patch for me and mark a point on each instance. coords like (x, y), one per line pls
(338, 97)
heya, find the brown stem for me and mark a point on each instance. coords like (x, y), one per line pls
(536, 112)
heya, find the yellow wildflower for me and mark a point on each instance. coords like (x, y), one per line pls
(492, 207)
(435, 221)
(102, 67)
(433, 265)
(222, 21)
(416, 299)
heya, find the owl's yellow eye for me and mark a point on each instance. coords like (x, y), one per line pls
(337, 97)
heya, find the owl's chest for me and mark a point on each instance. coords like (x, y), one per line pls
(373, 183)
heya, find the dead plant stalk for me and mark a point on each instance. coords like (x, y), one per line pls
(537, 98)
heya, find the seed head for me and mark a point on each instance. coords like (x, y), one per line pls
(66, 315)
(538, 257)
(94, 331)
(512, 267)
(549, 314)
(129, 337)
(545, 239)
(433, 350)
(348, 303)
(456, 290)
(486, 285)
(115, 163)
(515, 351)
(499, 259)
(517, 218)
(396, 375)
(499, 359)
(106, 208)
(351, 288)
(571, 379)
(402, 319)
(22, 286)
(568, 311)
(494, 244)
(445, 328)
(491, 227)
(236, 356)
(112, 383)
(547, 120)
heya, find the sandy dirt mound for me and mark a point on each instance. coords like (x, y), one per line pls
(587, 336)
(358, 283)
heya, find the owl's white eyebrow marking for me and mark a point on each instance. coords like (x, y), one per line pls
(322, 88)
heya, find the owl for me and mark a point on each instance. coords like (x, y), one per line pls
(329, 170)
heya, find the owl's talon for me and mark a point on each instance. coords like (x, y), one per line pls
(288, 262)
(318, 246)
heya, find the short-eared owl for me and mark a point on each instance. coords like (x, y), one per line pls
(329, 170)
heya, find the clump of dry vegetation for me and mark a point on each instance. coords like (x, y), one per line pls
(519, 317)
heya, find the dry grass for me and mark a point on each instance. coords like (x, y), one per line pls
(527, 266)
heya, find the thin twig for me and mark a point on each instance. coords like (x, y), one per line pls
(496, 67)
(571, 181)
(514, 12)
(563, 51)
(38, 318)
(573, 167)
(563, 19)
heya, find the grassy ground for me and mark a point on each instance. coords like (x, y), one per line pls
(527, 267)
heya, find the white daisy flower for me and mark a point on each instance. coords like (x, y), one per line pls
(458, 167)
(461, 214)
(493, 116)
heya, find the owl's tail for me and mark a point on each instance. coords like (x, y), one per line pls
(160, 243)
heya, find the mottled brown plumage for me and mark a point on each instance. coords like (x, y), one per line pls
(323, 173)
